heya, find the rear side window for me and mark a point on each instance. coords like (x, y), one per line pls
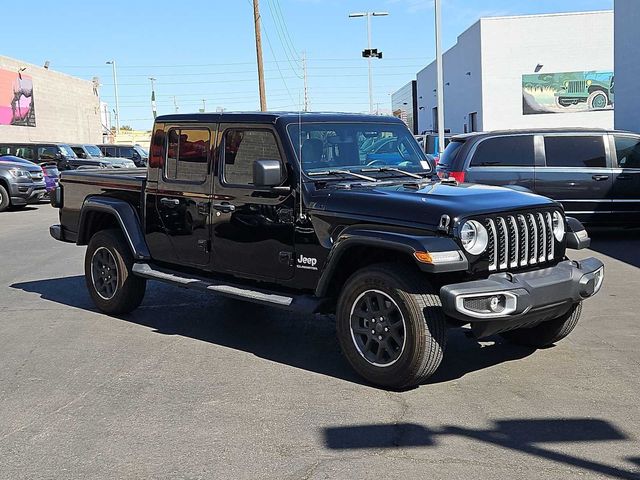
(628, 152)
(187, 155)
(242, 148)
(514, 151)
(127, 152)
(110, 152)
(448, 157)
(25, 152)
(566, 151)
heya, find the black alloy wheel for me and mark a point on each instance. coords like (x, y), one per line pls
(377, 328)
(104, 273)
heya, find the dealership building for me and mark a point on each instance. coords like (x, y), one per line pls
(531, 71)
(38, 104)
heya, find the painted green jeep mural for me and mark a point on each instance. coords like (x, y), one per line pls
(567, 92)
(594, 88)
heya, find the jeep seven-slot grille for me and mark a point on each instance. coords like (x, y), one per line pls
(577, 86)
(519, 240)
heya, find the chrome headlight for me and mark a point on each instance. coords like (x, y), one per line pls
(558, 226)
(19, 173)
(474, 237)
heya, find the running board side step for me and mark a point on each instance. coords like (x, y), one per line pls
(299, 303)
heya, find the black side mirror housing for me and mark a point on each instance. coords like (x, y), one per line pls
(267, 173)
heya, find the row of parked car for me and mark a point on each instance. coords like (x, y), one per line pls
(29, 171)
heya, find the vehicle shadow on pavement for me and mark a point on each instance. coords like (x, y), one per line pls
(302, 341)
(521, 435)
(619, 244)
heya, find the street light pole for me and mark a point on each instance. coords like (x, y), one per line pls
(153, 98)
(369, 52)
(115, 87)
(439, 75)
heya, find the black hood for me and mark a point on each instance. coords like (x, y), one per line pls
(427, 204)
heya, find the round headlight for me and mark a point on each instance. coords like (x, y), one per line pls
(474, 237)
(558, 226)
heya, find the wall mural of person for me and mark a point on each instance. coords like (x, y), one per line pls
(16, 99)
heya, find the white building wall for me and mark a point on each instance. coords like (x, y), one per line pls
(66, 108)
(513, 46)
(627, 64)
(463, 84)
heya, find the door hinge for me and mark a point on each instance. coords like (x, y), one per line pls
(204, 245)
(286, 258)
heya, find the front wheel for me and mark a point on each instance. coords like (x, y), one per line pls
(597, 100)
(4, 198)
(108, 273)
(546, 333)
(390, 326)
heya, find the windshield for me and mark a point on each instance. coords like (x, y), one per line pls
(357, 146)
(143, 153)
(93, 151)
(67, 152)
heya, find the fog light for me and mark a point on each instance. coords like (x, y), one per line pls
(497, 303)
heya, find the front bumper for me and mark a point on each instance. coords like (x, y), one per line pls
(505, 301)
(23, 193)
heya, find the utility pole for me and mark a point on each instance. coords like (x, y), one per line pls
(115, 86)
(256, 21)
(204, 105)
(370, 52)
(154, 108)
(439, 75)
(175, 104)
(306, 88)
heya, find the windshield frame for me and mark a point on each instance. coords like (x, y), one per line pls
(379, 175)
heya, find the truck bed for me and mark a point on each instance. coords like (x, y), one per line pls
(77, 185)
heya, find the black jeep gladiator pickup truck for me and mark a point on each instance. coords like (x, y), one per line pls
(333, 213)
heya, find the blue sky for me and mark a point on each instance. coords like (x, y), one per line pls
(204, 49)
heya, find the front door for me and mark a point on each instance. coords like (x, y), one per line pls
(578, 174)
(253, 228)
(626, 178)
(183, 197)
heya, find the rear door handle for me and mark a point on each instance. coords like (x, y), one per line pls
(224, 207)
(600, 178)
(170, 202)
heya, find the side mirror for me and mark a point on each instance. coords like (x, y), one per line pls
(267, 173)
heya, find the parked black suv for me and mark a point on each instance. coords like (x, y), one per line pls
(595, 174)
(46, 152)
(133, 152)
(294, 211)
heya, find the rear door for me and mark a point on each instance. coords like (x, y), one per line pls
(625, 150)
(183, 197)
(577, 173)
(503, 161)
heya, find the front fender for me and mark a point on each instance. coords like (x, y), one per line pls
(390, 240)
(126, 216)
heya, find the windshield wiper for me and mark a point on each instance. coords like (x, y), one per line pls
(342, 172)
(391, 169)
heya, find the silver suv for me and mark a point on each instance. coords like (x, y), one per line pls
(20, 183)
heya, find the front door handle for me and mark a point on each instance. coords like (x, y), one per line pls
(170, 202)
(224, 207)
(600, 178)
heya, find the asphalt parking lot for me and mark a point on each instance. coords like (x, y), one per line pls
(193, 386)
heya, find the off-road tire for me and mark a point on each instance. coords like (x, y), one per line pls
(5, 200)
(129, 289)
(546, 333)
(592, 99)
(421, 309)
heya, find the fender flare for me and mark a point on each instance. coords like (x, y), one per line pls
(126, 216)
(402, 242)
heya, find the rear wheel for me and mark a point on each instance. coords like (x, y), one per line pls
(390, 326)
(546, 333)
(108, 273)
(4, 199)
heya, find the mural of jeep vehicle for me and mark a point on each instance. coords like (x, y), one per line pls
(596, 89)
